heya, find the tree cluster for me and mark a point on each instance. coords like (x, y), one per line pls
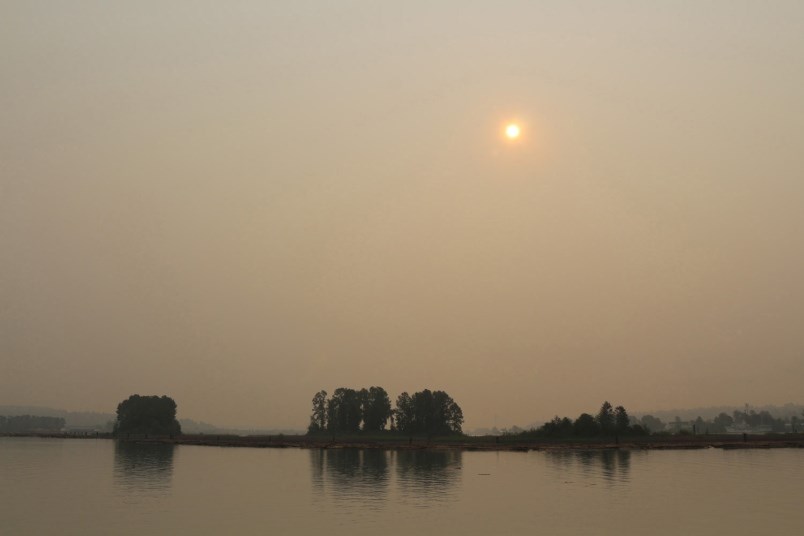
(29, 423)
(763, 418)
(350, 410)
(147, 415)
(749, 421)
(651, 424)
(369, 410)
(608, 421)
(428, 412)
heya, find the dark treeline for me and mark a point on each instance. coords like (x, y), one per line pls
(29, 423)
(147, 415)
(369, 410)
(608, 421)
(615, 421)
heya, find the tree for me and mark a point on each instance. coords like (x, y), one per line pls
(147, 415)
(30, 423)
(403, 415)
(722, 421)
(557, 427)
(621, 420)
(585, 426)
(376, 408)
(318, 419)
(605, 418)
(699, 425)
(344, 411)
(428, 412)
(636, 429)
(652, 424)
(448, 416)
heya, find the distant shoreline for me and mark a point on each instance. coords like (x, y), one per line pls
(469, 443)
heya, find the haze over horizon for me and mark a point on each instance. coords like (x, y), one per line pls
(240, 205)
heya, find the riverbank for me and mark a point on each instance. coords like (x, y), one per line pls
(491, 443)
(469, 443)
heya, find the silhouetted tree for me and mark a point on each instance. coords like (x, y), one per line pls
(147, 415)
(376, 406)
(404, 414)
(344, 411)
(318, 419)
(428, 412)
(557, 427)
(448, 414)
(585, 426)
(637, 429)
(605, 418)
(621, 420)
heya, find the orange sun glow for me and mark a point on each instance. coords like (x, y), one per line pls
(512, 131)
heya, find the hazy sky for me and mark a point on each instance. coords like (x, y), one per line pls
(239, 204)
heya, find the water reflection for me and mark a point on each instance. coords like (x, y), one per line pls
(348, 474)
(613, 466)
(420, 476)
(428, 475)
(143, 467)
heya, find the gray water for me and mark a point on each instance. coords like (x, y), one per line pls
(95, 486)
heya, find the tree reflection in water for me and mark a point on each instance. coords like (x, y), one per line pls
(349, 474)
(612, 465)
(420, 475)
(427, 475)
(143, 467)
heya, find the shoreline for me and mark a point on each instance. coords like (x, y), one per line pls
(471, 443)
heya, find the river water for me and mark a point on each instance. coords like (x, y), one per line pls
(97, 486)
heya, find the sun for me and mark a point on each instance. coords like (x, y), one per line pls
(512, 131)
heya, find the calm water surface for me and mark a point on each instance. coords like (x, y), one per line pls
(95, 486)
